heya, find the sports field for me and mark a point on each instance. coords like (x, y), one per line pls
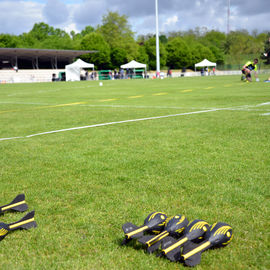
(90, 158)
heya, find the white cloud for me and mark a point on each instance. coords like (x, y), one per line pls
(17, 16)
(171, 21)
(56, 12)
(71, 27)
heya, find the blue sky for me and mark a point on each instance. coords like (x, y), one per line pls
(18, 16)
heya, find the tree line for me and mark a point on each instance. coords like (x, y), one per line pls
(116, 44)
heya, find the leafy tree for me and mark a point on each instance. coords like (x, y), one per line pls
(143, 56)
(77, 37)
(214, 38)
(26, 41)
(117, 33)
(8, 41)
(43, 36)
(150, 47)
(54, 42)
(218, 55)
(202, 52)
(118, 57)
(163, 39)
(267, 50)
(240, 43)
(179, 54)
(87, 30)
(41, 31)
(101, 58)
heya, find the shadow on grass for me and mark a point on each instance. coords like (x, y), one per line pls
(131, 244)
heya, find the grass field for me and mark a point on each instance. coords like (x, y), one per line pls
(197, 147)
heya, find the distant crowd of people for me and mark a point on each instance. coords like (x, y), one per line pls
(88, 76)
(206, 71)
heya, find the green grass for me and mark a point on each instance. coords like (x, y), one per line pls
(84, 184)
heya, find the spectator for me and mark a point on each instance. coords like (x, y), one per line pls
(202, 72)
(121, 73)
(169, 73)
(53, 77)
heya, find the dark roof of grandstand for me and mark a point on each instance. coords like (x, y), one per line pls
(30, 53)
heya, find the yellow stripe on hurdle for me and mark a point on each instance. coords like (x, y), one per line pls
(177, 244)
(21, 223)
(196, 250)
(12, 205)
(136, 231)
(157, 238)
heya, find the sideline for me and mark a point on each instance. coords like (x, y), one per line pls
(140, 119)
(110, 123)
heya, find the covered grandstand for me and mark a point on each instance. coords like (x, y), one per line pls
(37, 58)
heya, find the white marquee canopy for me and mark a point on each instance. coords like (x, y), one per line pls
(205, 63)
(73, 71)
(133, 64)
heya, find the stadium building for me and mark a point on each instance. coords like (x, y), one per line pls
(32, 65)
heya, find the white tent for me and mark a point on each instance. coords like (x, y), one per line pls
(73, 71)
(133, 64)
(205, 63)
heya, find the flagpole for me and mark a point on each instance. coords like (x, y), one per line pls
(157, 43)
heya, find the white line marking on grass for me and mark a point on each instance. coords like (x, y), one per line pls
(263, 104)
(134, 120)
(144, 107)
(110, 123)
(24, 103)
(12, 138)
(265, 114)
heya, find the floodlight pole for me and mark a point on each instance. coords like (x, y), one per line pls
(228, 16)
(157, 43)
